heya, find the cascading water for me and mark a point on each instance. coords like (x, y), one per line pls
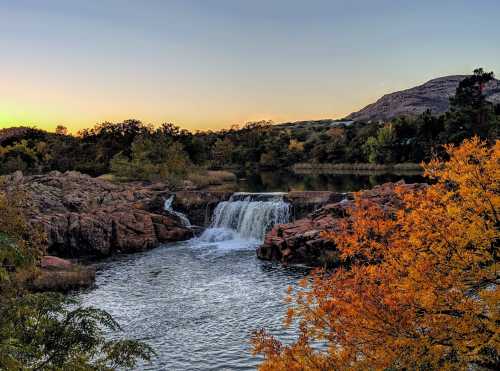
(167, 206)
(247, 216)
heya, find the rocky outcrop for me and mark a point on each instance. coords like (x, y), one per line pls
(433, 95)
(300, 242)
(304, 203)
(82, 215)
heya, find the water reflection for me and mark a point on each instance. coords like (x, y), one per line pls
(284, 181)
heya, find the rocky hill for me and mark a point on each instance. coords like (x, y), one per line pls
(433, 95)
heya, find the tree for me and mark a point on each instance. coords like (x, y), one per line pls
(470, 113)
(380, 149)
(61, 130)
(152, 158)
(47, 331)
(420, 285)
(470, 91)
(222, 152)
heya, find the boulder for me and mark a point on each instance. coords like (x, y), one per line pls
(56, 274)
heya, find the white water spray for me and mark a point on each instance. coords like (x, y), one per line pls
(167, 206)
(247, 216)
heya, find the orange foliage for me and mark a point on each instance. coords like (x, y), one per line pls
(422, 288)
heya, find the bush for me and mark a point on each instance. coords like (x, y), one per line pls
(152, 159)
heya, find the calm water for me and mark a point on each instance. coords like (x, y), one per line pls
(196, 303)
(283, 181)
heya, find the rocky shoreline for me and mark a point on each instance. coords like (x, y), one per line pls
(91, 217)
(85, 216)
(301, 242)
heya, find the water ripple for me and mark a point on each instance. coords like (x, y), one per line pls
(195, 303)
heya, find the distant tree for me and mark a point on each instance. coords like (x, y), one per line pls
(380, 148)
(61, 130)
(152, 158)
(222, 152)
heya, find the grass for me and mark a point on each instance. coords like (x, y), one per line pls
(207, 178)
(64, 280)
(356, 167)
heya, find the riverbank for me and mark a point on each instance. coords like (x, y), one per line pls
(302, 241)
(86, 216)
(357, 168)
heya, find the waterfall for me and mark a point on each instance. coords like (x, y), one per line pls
(247, 216)
(167, 206)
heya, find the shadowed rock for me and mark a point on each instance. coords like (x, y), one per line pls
(300, 242)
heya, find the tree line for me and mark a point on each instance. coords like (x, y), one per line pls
(132, 149)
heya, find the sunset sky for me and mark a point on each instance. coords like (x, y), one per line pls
(213, 63)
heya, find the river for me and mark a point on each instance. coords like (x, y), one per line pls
(197, 302)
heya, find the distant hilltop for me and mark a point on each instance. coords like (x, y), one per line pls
(433, 95)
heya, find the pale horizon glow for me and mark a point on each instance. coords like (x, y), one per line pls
(212, 64)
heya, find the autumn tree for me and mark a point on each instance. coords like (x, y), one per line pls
(419, 289)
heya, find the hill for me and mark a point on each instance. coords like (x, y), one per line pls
(433, 95)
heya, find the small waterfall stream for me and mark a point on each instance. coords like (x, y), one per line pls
(247, 216)
(167, 206)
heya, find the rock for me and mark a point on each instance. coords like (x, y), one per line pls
(433, 95)
(306, 202)
(53, 262)
(301, 241)
(82, 215)
(56, 274)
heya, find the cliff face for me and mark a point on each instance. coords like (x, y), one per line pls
(82, 215)
(433, 95)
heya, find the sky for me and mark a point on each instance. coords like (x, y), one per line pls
(209, 64)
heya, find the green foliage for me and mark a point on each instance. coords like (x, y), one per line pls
(152, 159)
(257, 144)
(47, 331)
(380, 148)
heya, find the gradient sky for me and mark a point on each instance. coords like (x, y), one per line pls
(212, 63)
